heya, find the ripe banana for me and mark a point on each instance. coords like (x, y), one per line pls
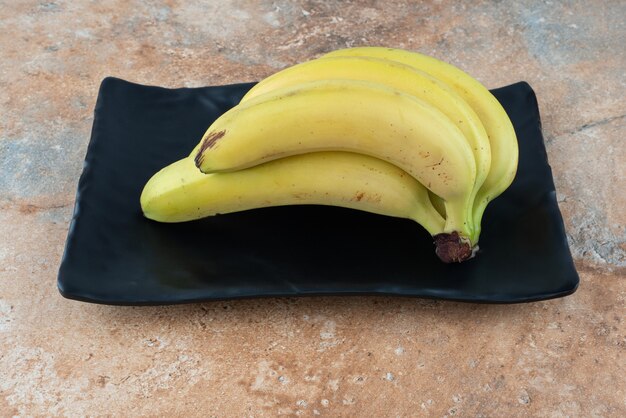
(180, 192)
(356, 116)
(502, 139)
(396, 75)
(376, 129)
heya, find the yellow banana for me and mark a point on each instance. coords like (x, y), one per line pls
(405, 78)
(502, 139)
(180, 192)
(348, 115)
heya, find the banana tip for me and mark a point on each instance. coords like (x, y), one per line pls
(208, 142)
(453, 248)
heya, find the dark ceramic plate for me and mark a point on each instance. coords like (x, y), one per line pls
(114, 255)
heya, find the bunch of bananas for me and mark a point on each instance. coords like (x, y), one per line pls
(376, 129)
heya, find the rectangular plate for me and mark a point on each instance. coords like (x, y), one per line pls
(114, 255)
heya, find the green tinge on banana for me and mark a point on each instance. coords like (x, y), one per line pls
(502, 138)
(180, 192)
(355, 116)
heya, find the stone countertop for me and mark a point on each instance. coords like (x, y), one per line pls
(330, 356)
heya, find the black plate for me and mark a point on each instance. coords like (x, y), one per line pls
(114, 255)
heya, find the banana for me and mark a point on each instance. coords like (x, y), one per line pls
(502, 139)
(349, 115)
(180, 192)
(396, 75)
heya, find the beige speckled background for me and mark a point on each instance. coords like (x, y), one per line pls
(356, 356)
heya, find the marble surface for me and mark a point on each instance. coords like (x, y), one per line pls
(354, 356)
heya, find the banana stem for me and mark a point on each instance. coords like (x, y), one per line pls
(479, 210)
(455, 244)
